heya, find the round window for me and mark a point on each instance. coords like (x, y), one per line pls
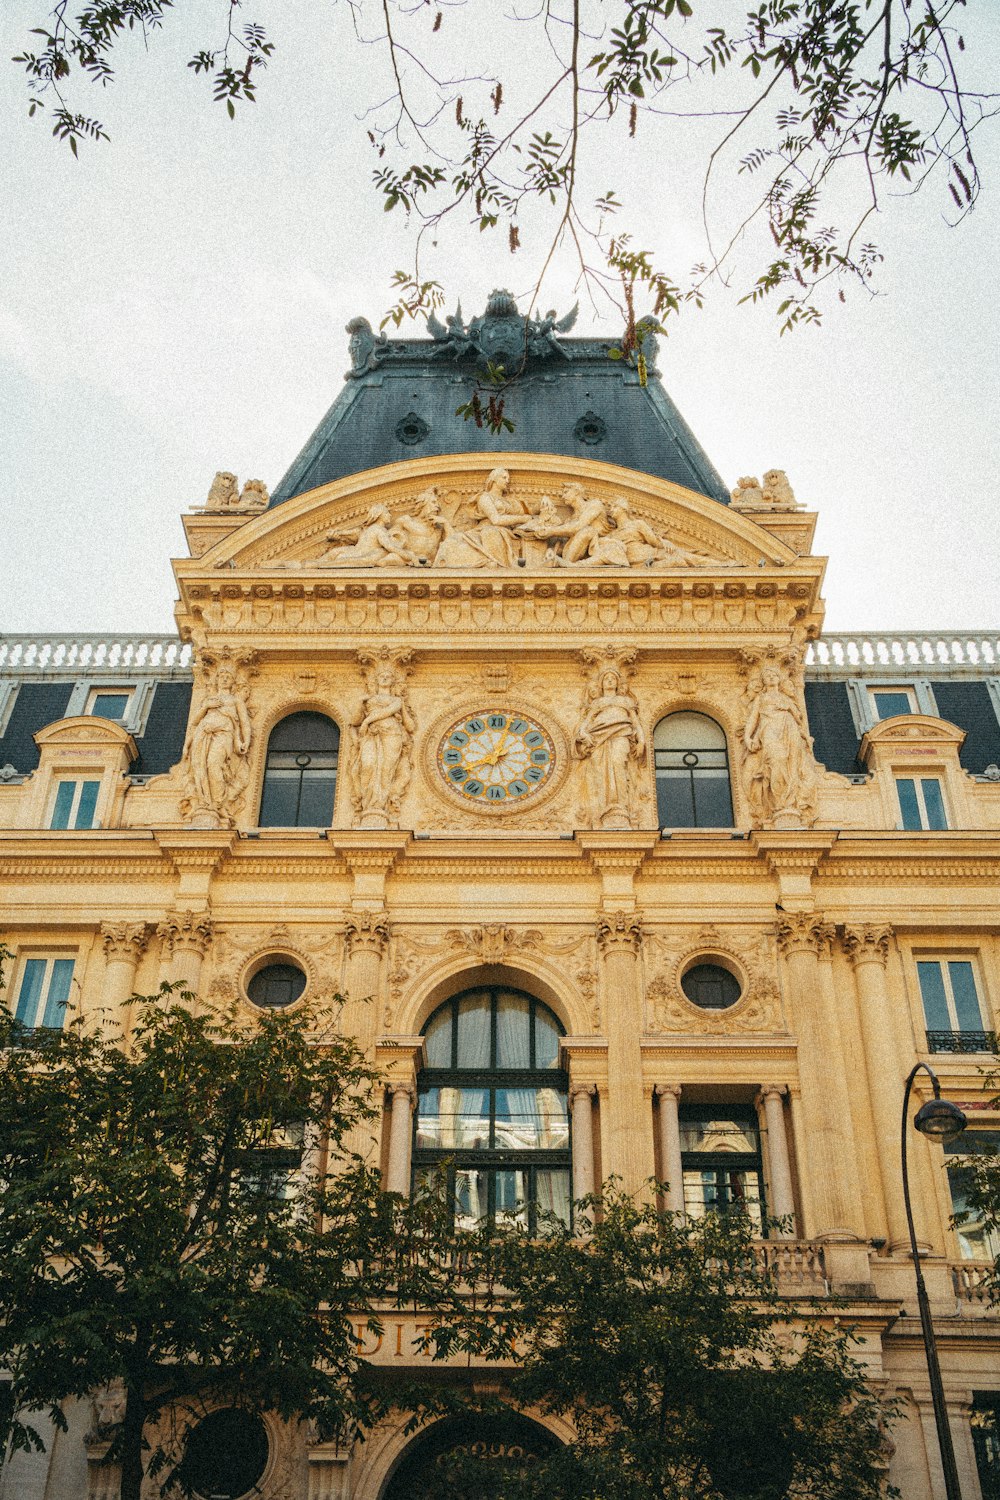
(276, 985)
(226, 1455)
(711, 986)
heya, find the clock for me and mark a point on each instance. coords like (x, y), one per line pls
(496, 759)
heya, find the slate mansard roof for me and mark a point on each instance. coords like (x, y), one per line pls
(573, 397)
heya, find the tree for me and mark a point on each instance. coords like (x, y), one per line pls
(685, 1372)
(182, 1218)
(812, 108)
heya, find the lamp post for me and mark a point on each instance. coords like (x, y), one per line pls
(941, 1120)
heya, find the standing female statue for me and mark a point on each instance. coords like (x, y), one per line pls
(218, 741)
(779, 771)
(609, 738)
(382, 734)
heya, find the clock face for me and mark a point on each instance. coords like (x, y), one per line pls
(496, 759)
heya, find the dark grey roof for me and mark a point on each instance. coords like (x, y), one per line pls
(572, 398)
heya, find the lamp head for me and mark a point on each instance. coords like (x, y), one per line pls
(940, 1119)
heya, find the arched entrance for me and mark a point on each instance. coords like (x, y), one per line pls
(509, 1439)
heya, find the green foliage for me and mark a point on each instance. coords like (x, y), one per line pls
(686, 1375)
(184, 1214)
(980, 1182)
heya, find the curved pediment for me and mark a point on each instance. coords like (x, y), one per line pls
(474, 512)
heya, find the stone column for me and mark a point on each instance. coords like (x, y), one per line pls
(671, 1167)
(124, 944)
(782, 1205)
(367, 936)
(581, 1099)
(629, 1146)
(185, 937)
(867, 946)
(397, 1177)
(802, 936)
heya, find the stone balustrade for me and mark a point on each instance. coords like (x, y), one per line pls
(973, 1281)
(97, 655)
(796, 1266)
(951, 651)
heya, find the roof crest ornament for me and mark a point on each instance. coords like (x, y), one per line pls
(501, 335)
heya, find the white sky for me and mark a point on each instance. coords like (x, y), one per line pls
(174, 303)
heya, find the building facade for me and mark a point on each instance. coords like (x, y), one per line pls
(532, 745)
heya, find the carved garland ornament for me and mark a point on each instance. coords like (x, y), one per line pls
(749, 956)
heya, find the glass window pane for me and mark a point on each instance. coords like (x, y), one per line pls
(471, 1196)
(963, 987)
(675, 799)
(890, 703)
(437, 1039)
(279, 800)
(472, 1123)
(511, 1194)
(30, 993)
(721, 1132)
(552, 1195)
(110, 705)
(909, 807)
(712, 1190)
(546, 1039)
(932, 992)
(305, 733)
(713, 803)
(513, 1032)
(63, 803)
(474, 1031)
(553, 1120)
(428, 1131)
(933, 802)
(58, 993)
(87, 804)
(316, 803)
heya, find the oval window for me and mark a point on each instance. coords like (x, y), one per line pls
(276, 985)
(711, 987)
(226, 1455)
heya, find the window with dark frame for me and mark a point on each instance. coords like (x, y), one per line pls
(985, 1420)
(300, 773)
(692, 773)
(721, 1161)
(492, 1123)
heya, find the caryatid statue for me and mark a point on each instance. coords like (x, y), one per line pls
(611, 742)
(381, 741)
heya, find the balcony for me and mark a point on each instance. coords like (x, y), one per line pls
(962, 1041)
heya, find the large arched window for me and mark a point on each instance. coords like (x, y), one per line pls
(692, 773)
(491, 1108)
(300, 774)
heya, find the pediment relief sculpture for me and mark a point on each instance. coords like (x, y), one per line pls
(497, 527)
(780, 775)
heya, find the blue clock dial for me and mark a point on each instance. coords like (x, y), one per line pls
(497, 760)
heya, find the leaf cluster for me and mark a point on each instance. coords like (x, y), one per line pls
(184, 1214)
(686, 1375)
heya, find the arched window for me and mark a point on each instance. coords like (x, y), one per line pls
(492, 1105)
(300, 774)
(692, 773)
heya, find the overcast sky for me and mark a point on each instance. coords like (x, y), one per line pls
(174, 303)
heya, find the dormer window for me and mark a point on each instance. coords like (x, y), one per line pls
(109, 703)
(890, 701)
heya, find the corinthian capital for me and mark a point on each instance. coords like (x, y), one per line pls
(805, 932)
(367, 931)
(124, 940)
(186, 931)
(867, 943)
(619, 931)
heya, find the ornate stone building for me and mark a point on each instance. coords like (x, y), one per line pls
(534, 741)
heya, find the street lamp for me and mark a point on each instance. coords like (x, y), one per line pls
(941, 1120)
